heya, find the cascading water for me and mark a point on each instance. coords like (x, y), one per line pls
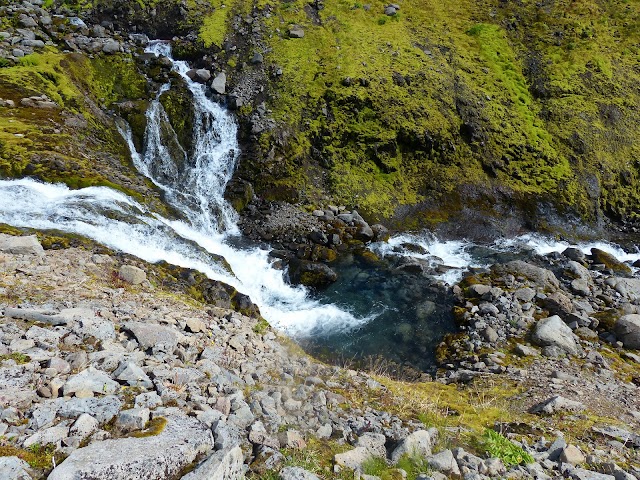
(371, 310)
(193, 185)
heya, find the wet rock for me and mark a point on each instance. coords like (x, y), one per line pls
(558, 404)
(157, 456)
(131, 274)
(575, 254)
(627, 329)
(609, 261)
(553, 332)
(28, 245)
(316, 275)
(219, 83)
(222, 465)
(542, 278)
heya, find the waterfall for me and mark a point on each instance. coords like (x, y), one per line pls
(196, 189)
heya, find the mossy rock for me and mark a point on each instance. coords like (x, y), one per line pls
(609, 261)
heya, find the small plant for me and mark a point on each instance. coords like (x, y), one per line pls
(375, 466)
(382, 20)
(261, 327)
(497, 445)
(19, 358)
(5, 62)
(29, 60)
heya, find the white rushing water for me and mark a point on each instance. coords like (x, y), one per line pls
(193, 184)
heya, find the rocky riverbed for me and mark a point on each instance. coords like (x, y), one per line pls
(107, 374)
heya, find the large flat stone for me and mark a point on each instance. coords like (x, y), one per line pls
(148, 458)
(28, 245)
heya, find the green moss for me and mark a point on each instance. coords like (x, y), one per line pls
(152, 428)
(37, 456)
(214, 25)
(19, 358)
(416, 109)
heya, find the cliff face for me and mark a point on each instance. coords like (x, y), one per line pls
(497, 106)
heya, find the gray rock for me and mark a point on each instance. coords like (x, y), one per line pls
(540, 277)
(219, 83)
(353, 459)
(557, 404)
(147, 458)
(132, 375)
(297, 473)
(627, 287)
(201, 75)
(556, 448)
(553, 331)
(222, 465)
(296, 32)
(28, 245)
(154, 336)
(526, 351)
(582, 474)
(45, 437)
(84, 426)
(90, 380)
(131, 274)
(389, 10)
(148, 400)
(418, 443)
(444, 462)
(374, 443)
(111, 46)
(258, 436)
(27, 21)
(103, 409)
(572, 455)
(292, 439)
(257, 58)
(13, 468)
(132, 419)
(627, 329)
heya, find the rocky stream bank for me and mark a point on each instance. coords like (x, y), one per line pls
(106, 373)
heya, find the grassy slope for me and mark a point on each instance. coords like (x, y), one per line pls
(532, 101)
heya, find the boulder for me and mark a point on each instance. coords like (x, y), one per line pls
(444, 462)
(572, 455)
(222, 465)
(553, 332)
(316, 275)
(601, 257)
(219, 83)
(132, 375)
(201, 75)
(13, 468)
(557, 404)
(416, 444)
(542, 278)
(627, 328)
(111, 46)
(102, 409)
(131, 274)
(154, 457)
(91, 380)
(28, 245)
(627, 287)
(154, 336)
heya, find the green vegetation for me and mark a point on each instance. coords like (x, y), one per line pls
(152, 428)
(491, 102)
(496, 445)
(37, 456)
(19, 358)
